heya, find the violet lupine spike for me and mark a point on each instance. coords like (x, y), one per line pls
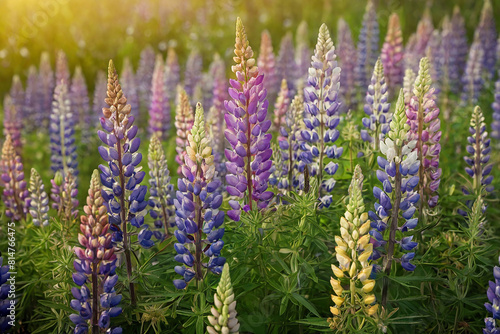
(144, 76)
(17, 95)
(32, 101)
(285, 65)
(159, 110)
(493, 307)
(495, 125)
(183, 123)
(192, 74)
(455, 48)
(15, 195)
(172, 74)
(95, 266)
(392, 54)
(62, 68)
(408, 81)
(377, 108)
(417, 44)
(129, 87)
(99, 96)
(205, 88)
(197, 206)
(434, 53)
(488, 37)
(39, 201)
(368, 48)
(62, 133)
(347, 62)
(12, 123)
(423, 118)
(322, 105)
(64, 194)
(302, 52)
(472, 80)
(249, 161)
(160, 189)
(267, 64)
(47, 85)
(5, 302)
(281, 106)
(80, 105)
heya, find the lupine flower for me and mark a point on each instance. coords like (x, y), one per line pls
(95, 266)
(249, 161)
(197, 207)
(79, 97)
(368, 48)
(99, 96)
(39, 201)
(398, 175)
(417, 43)
(434, 53)
(47, 84)
(286, 68)
(144, 75)
(122, 175)
(353, 252)
(183, 124)
(17, 94)
(204, 89)
(62, 133)
(455, 48)
(64, 194)
(32, 101)
(493, 306)
(62, 68)
(129, 86)
(495, 125)
(159, 110)
(223, 319)
(408, 82)
(488, 36)
(423, 118)
(192, 75)
(172, 74)
(267, 64)
(4, 301)
(472, 79)
(160, 189)
(281, 105)
(302, 52)
(392, 54)
(478, 168)
(347, 62)
(322, 105)
(15, 195)
(377, 108)
(12, 123)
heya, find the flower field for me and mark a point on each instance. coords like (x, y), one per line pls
(248, 167)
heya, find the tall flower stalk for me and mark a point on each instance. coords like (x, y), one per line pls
(286, 68)
(47, 84)
(495, 125)
(408, 82)
(488, 36)
(32, 100)
(95, 267)
(493, 306)
(192, 75)
(368, 49)
(64, 194)
(159, 110)
(392, 54)
(197, 207)
(267, 64)
(62, 68)
(129, 86)
(17, 95)
(472, 79)
(144, 75)
(12, 123)
(347, 61)
(39, 201)
(281, 106)
(322, 105)
(183, 123)
(249, 161)
(172, 74)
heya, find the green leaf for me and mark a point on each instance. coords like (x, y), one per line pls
(305, 303)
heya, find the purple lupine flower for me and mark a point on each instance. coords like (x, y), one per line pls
(455, 48)
(64, 194)
(160, 189)
(15, 193)
(347, 62)
(417, 43)
(17, 95)
(5, 302)
(123, 195)
(281, 106)
(62, 68)
(408, 81)
(203, 91)
(392, 54)
(197, 207)
(159, 110)
(62, 133)
(80, 105)
(32, 103)
(488, 36)
(12, 123)
(423, 118)
(129, 87)
(477, 163)
(95, 266)
(368, 48)
(99, 96)
(47, 84)
(377, 108)
(472, 79)
(286, 68)
(39, 201)
(495, 125)
(302, 54)
(267, 64)
(322, 105)
(172, 74)
(192, 74)
(434, 53)
(249, 163)
(398, 174)
(144, 76)
(493, 306)
(183, 123)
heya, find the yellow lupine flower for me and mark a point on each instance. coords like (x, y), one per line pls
(369, 299)
(338, 300)
(337, 272)
(368, 285)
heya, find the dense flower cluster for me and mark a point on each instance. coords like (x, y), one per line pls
(17, 95)
(455, 52)
(347, 61)
(472, 79)
(267, 64)
(12, 123)
(487, 33)
(286, 68)
(172, 74)
(39, 201)
(32, 98)
(159, 110)
(392, 54)
(495, 125)
(62, 68)
(64, 196)
(192, 75)
(144, 76)
(129, 86)
(183, 123)
(368, 48)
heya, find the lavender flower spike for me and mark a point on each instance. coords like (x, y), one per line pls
(64, 194)
(377, 108)
(267, 64)
(495, 125)
(192, 75)
(62, 68)
(129, 86)
(472, 78)
(281, 106)
(392, 54)
(322, 105)
(347, 62)
(12, 123)
(458, 49)
(488, 36)
(159, 110)
(172, 74)
(47, 83)
(367, 45)
(249, 161)
(183, 124)
(17, 95)
(197, 207)
(39, 201)
(493, 306)
(423, 118)
(15, 194)
(95, 267)
(145, 75)
(32, 100)
(286, 66)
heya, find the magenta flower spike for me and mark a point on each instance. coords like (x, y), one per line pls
(392, 54)
(99, 96)
(488, 37)
(80, 105)
(17, 94)
(347, 61)
(286, 66)
(302, 53)
(192, 74)
(12, 123)
(172, 74)
(368, 48)
(423, 118)
(249, 161)
(144, 76)
(47, 85)
(62, 68)
(159, 111)
(281, 106)
(129, 86)
(267, 64)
